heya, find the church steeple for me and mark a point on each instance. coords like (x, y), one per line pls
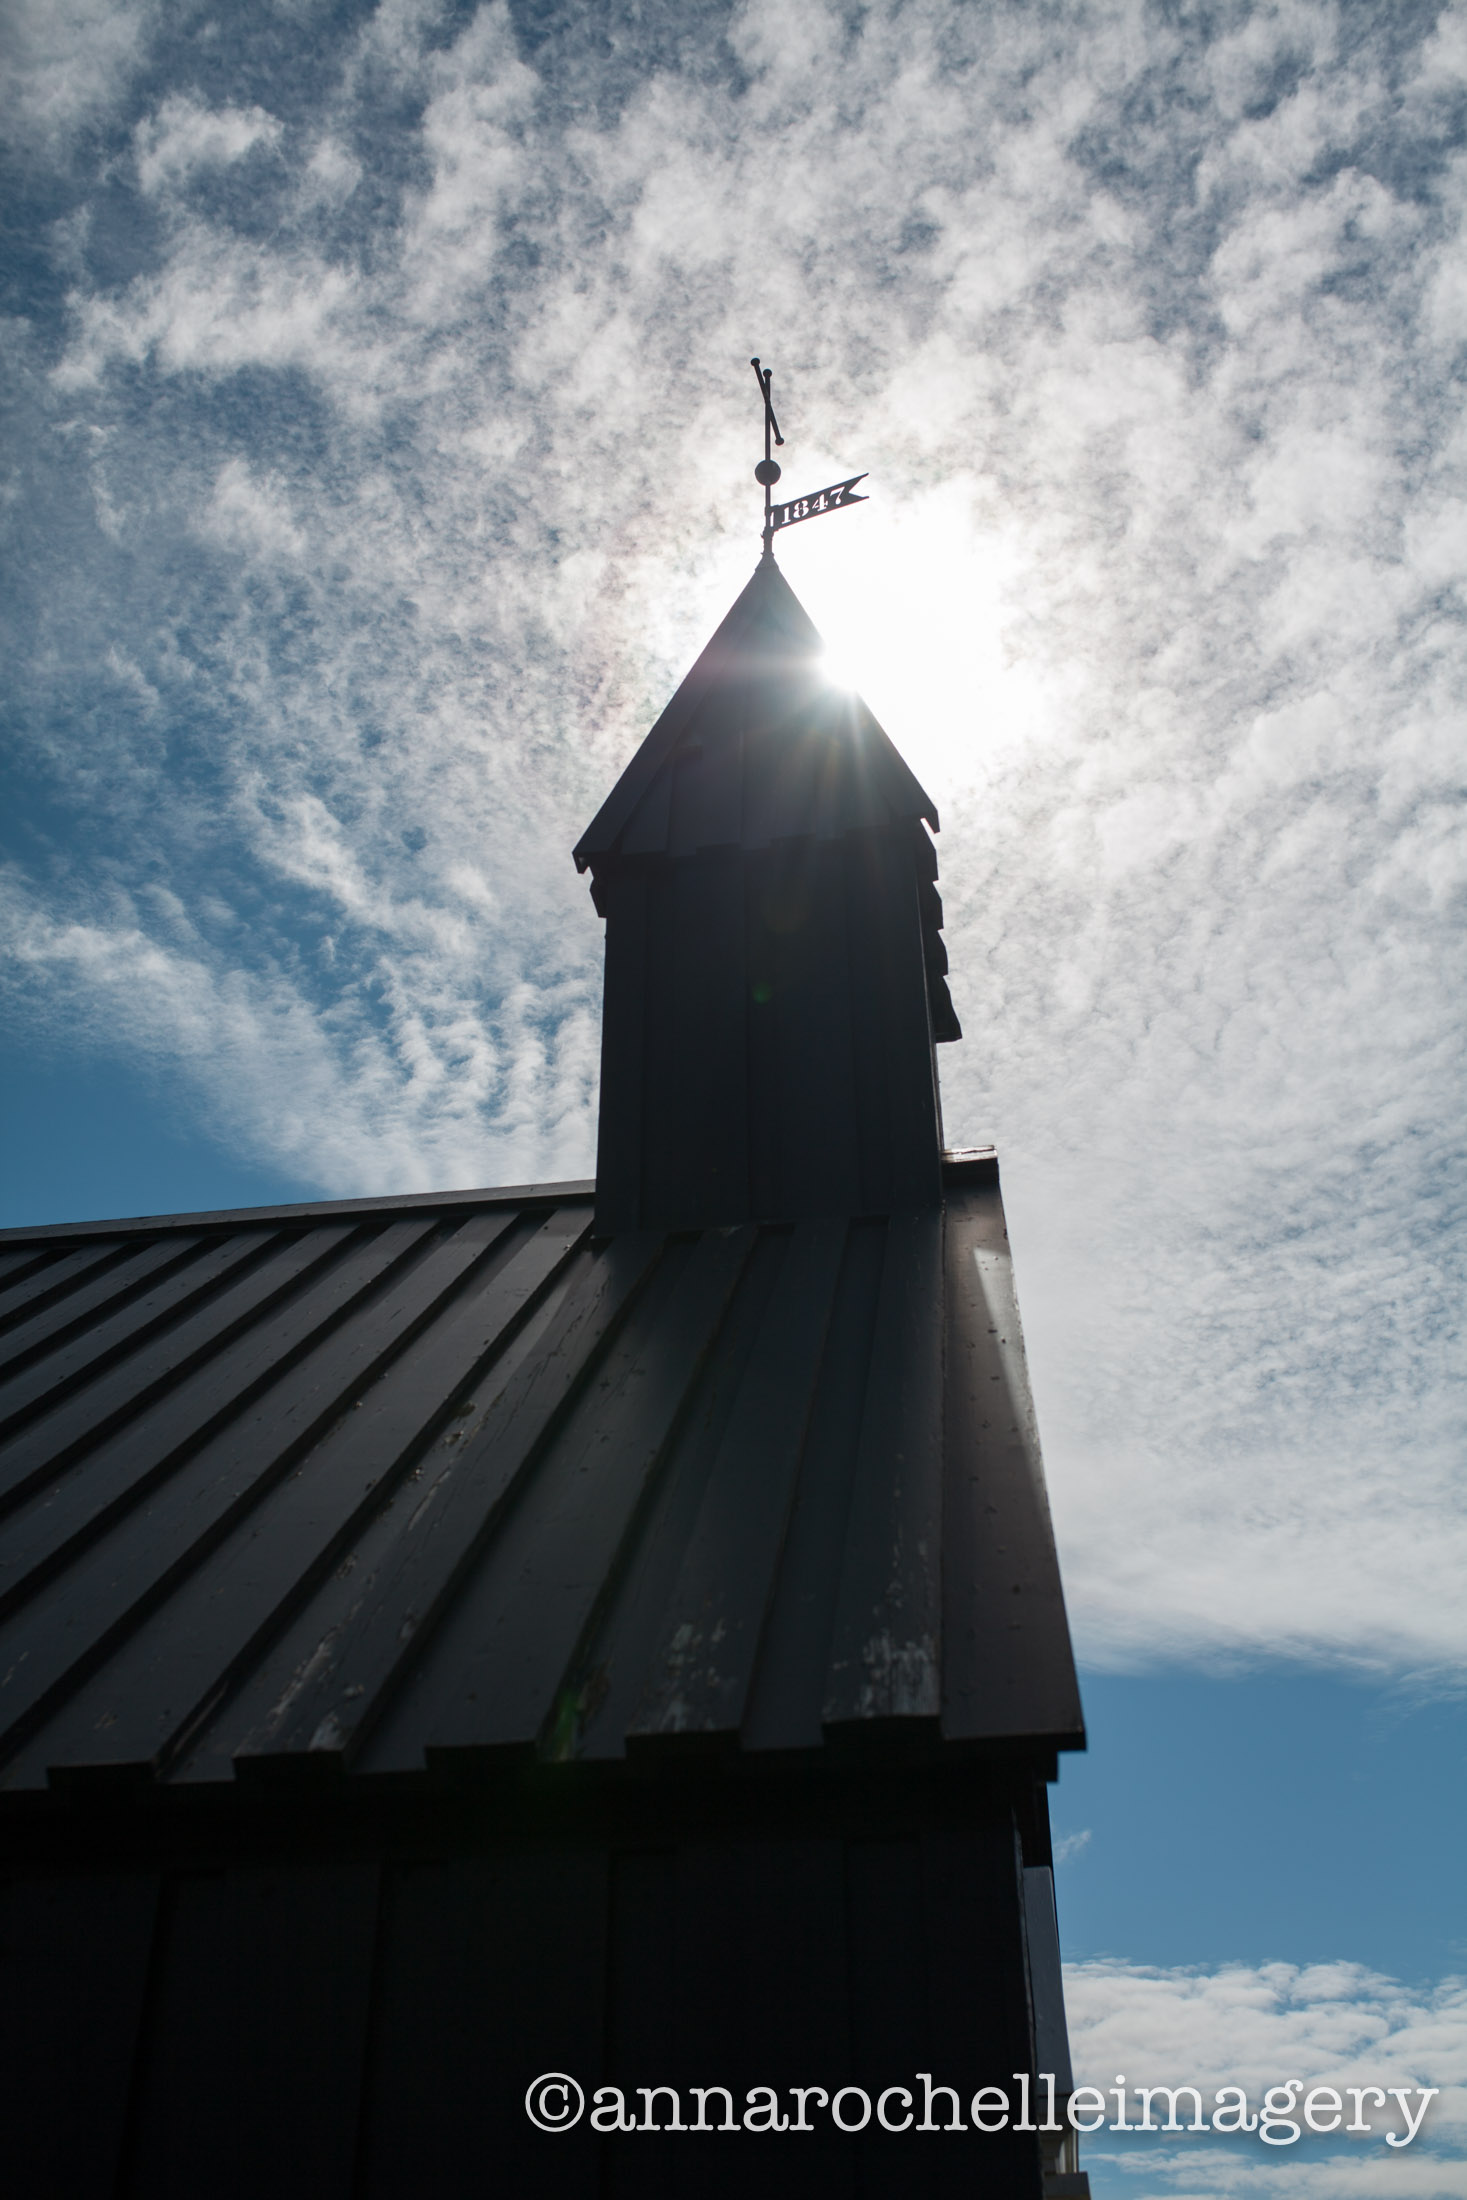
(774, 966)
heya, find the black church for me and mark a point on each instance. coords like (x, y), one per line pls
(607, 1633)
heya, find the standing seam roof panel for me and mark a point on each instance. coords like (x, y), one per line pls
(694, 1504)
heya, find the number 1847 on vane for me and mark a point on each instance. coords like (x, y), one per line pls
(811, 507)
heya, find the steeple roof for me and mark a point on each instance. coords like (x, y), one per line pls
(757, 745)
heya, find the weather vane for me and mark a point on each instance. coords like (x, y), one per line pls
(767, 472)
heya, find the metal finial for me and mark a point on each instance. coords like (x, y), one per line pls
(767, 472)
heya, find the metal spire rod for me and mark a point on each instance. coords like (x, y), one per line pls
(767, 472)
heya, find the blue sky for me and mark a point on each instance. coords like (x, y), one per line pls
(379, 428)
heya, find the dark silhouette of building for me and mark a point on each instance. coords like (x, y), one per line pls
(601, 1629)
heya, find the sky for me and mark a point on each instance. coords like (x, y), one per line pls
(378, 438)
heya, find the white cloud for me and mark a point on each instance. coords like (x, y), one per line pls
(219, 307)
(1333, 2025)
(331, 174)
(420, 1097)
(64, 62)
(182, 137)
(251, 515)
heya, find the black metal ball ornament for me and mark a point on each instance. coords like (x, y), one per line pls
(767, 472)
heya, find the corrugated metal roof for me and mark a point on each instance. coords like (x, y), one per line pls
(387, 1484)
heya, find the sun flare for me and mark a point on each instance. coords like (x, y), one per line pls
(916, 616)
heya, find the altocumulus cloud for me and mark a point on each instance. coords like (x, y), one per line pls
(381, 459)
(1332, 2024)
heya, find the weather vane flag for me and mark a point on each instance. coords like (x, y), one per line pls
(767, 473)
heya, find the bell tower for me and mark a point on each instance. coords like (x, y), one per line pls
(774, 961)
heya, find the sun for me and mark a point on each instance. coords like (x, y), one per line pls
(837, 671)
(914, 616)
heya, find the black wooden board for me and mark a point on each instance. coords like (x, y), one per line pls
(43, 1282)
(613, 1668)
(885, 1642)
(368, 1656)
(701, 1674)
(125, 1393)
(272, 1680)
(250, 2072)
(120, 1280)
(281, 1547)
(977, 1996)
(59, 1375)
(20, 1261)
(495, 1677)
(788, 1690)
(491, 1974)
(1007, 1663)
(93, 1588)
(619, 1176)
(74, 1954)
